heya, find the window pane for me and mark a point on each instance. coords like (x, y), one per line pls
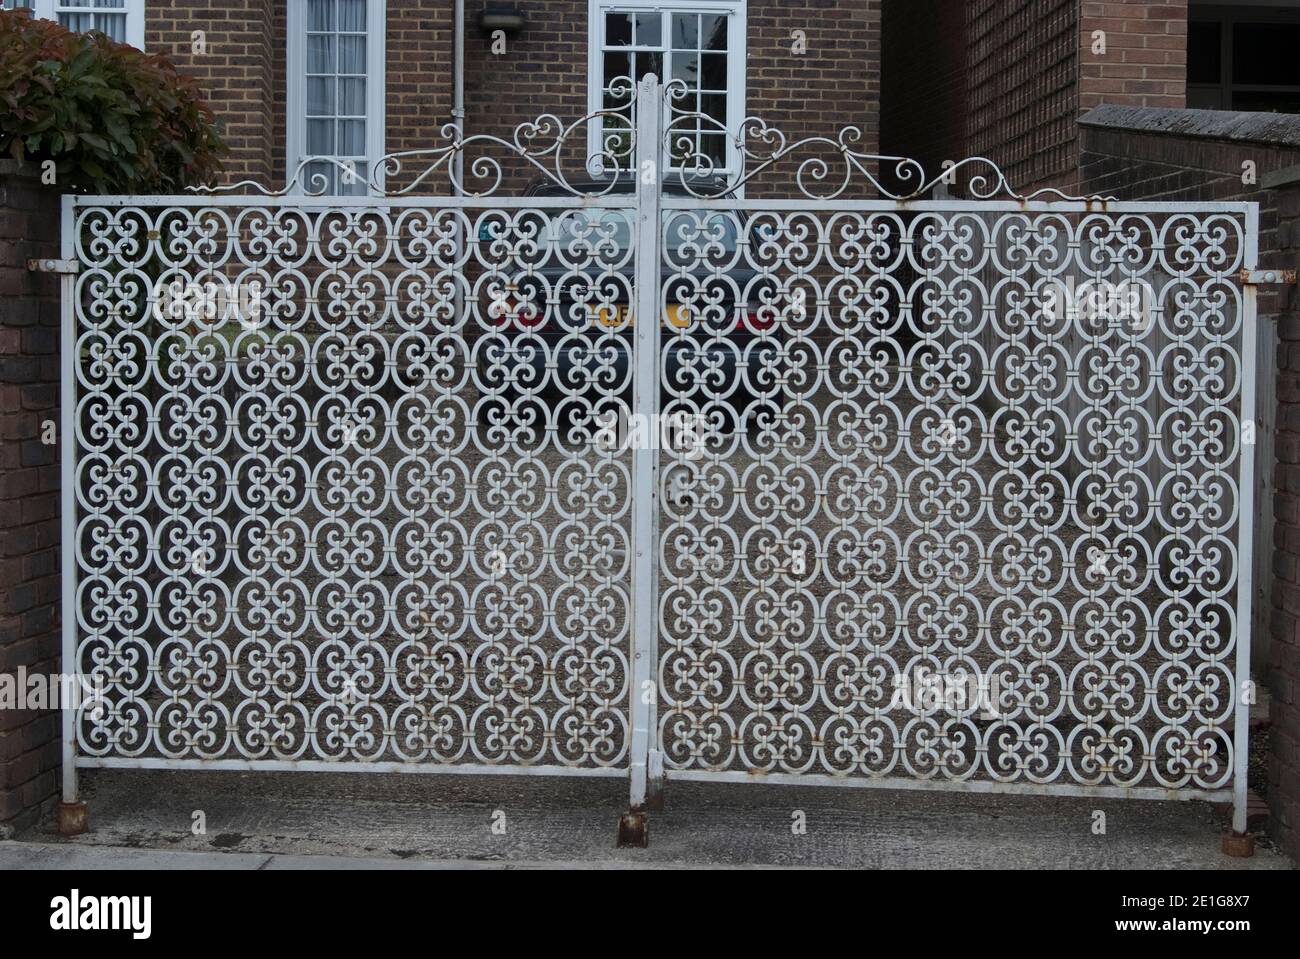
(1205, 98)
(679, 35)
(620, 121)
(649, 63)
(686, 66)
(713, 73)
(715, 148)
(320, 54)
(617, 65)
(336, 91)
(714, 105)
(352, 15)
(1204, 52)
(352, 98)
(1266, 102)
(617, 140)
(713, 31)
(1265, 53)
(352, 138)
(320, 96)
(620, 100)
(618, 30)
(686, 31)
(320, 137)
(649, 30)
(680, 107)
(105, 16)
(352, 54)
(111, 25)
(320, 14)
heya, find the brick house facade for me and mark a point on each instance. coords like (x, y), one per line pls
(244, 61)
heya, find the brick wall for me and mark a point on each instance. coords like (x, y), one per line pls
(1023, 93)
(1035, 66)
(1284, 657)
(29, 489)
(235, 69)
(543, 70)
(419, 71)
(1160, 154)
(1145, 58)
(835, 84)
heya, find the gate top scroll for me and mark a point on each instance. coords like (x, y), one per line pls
(757, 146)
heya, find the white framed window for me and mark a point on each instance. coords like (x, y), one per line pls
(335, 92)
(701, 44)
(121, 20)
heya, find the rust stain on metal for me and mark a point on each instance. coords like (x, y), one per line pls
(1249, 277)
(632, 831)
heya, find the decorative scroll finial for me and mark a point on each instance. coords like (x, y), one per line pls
(755, 146)
(758, 146)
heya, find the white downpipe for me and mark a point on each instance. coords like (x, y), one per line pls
(458, 89)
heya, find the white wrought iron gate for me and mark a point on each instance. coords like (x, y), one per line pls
(375, 483)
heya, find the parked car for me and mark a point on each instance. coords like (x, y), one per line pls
(571, 345)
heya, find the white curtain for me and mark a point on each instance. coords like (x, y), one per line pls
(110, 24)
(336, 83)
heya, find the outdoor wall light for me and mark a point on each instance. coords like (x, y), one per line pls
(506, 17)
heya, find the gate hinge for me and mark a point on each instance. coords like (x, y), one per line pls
(54, 266)
(1263, 277)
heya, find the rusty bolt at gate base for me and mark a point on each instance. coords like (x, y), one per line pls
(632, 830)
(71, 818)
(1238, 845)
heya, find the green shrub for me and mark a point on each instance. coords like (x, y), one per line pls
(113, 119)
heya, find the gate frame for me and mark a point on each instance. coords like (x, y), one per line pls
(645, 760)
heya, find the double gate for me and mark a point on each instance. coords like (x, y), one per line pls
(640, 478)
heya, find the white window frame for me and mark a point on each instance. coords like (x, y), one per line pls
(50, 10)
(296, 89)
(736, 55)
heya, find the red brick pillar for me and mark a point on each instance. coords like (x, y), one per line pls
(29, 490)
(1284, 654)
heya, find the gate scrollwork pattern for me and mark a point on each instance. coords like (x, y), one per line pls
(952, 465)
(323, 514)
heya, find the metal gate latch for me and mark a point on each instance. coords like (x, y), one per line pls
(53, 266)
(1264, 277)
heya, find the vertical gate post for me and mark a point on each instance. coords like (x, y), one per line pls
(645, 465)
(72, 811)
(1236, 842)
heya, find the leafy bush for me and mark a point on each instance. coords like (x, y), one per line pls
(113, 119)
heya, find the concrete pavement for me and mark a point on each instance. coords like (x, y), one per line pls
(82, 857)
(273, 821)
